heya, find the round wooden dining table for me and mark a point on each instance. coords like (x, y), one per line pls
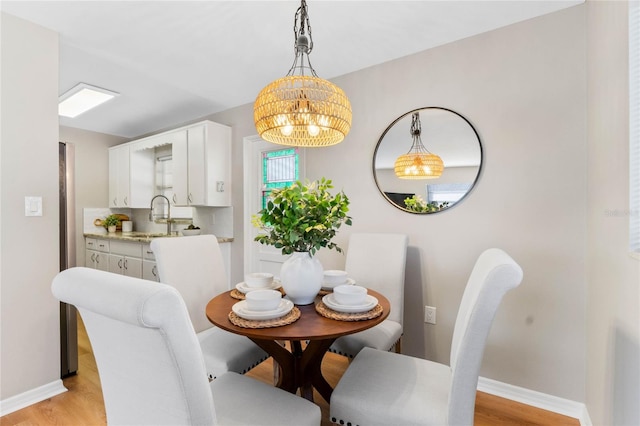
(300, 368)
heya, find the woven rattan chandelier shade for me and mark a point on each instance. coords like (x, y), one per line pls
(418, 163)
(418, 166)
(301, 109)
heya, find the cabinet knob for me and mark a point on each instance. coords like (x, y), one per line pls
(120, 263)
(154, 271)
(125, 264)
(175, 199)
(126, 201)
(190, 198)
(115, 201)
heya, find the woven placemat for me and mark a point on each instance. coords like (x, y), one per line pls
(324, 292)
(327, 312)
(237, 294)
(287, 319)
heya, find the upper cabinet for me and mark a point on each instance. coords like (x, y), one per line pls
(130, 177)
(191, 166)
(119, 190)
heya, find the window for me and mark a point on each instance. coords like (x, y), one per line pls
(634, 128)
(279, 169)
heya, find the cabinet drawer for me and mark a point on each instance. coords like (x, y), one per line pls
(102, 245)
(147, 254)
(91, 244)
(126, 249)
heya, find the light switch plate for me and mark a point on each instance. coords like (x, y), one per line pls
(33, 206)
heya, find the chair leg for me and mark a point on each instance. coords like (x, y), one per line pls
(399, 345)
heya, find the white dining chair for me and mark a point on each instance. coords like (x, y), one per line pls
(383, 388)
(150, 364)
(194, 266)
(377, 261)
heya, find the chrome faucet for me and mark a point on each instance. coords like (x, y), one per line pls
(168, 212)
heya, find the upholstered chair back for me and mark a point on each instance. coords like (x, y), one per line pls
(195, 267)
(493, 274)
(377, 261)
(150, 364)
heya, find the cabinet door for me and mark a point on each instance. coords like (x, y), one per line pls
(116, 264)
(150, 271)
(132, 267)
(197, 166)
(102, 261)
(180, 160)
(218, 164)
(119, 175)
(90, 259)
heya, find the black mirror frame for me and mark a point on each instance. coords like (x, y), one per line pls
(375, 152)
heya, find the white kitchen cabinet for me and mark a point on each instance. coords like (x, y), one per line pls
(149, 267)
(130, 176)
(97, 254)
(200, 162)
(119, 195)
(202, 165)
(125, 258)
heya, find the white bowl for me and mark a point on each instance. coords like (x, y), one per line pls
(263, 300)
(350, 295)
(188, 232)
(258, 279)
(334, 277)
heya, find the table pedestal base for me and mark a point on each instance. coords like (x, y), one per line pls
(300, 368)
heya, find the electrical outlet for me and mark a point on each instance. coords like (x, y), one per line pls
(430, 314)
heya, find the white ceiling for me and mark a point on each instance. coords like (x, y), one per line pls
(175, 61)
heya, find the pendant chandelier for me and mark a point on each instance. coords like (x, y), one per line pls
(418, 163)
(301, 109)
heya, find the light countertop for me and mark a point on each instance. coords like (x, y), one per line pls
(143, 237)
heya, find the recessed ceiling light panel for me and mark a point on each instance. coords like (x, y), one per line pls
(82, 98)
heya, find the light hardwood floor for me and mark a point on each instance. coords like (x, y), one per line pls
(83, 403)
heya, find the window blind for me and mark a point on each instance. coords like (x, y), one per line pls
(634, 126)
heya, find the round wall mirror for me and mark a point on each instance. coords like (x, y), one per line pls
(443, 132)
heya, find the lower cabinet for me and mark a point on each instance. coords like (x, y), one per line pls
(97, 254)
(133, 259)
(97, 260)
(149, 268)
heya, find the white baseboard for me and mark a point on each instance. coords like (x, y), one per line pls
(30, 397)
(540, 400)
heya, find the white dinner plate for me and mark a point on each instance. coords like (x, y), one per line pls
(240, 309)
(350, 281)
(242, 287)
(369, 303)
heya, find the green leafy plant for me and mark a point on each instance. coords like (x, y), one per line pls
(303, 217)
(419, 205)
(111, 220)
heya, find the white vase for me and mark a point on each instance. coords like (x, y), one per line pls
(301, 277)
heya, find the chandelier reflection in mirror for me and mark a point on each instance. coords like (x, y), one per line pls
(301, 109)
(418, 163)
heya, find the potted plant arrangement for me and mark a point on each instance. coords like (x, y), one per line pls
(111, 222)
(418, 204)
(300, 220)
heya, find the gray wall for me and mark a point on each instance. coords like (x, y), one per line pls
(613, 325)
(29, 314)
